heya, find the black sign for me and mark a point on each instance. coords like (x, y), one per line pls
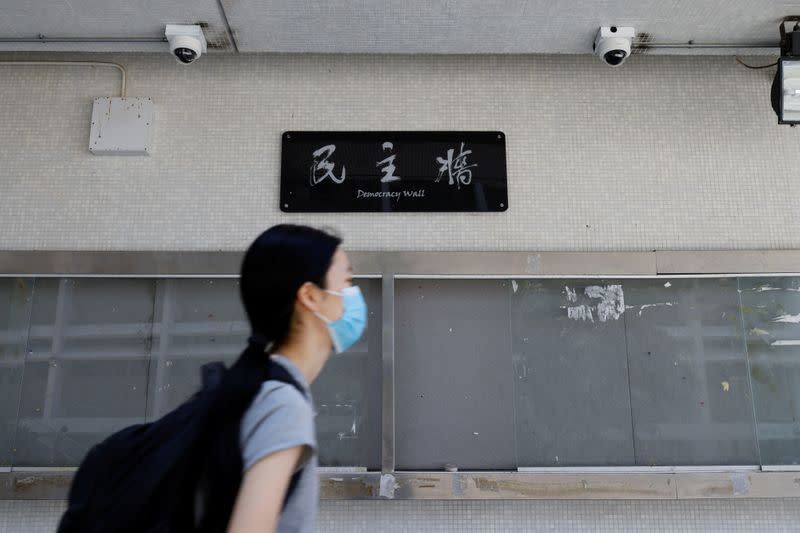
(393, 171)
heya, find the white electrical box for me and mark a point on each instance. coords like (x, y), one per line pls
(122, 126)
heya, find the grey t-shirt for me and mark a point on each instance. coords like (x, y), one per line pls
(279, 418)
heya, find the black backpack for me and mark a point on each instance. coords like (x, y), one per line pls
(126, 482)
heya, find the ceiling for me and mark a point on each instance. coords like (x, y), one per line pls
(387, 26)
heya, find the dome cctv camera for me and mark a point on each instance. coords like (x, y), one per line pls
(613, 44)
(186, 42)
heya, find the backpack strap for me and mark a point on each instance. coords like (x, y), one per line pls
(276, 372)
(211, 374)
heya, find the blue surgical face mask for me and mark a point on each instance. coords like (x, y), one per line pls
(346, 331)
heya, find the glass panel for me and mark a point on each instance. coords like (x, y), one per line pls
(771, 312)
(453, 396)
(571, 373)
(200, 321)
(197, 321)
(688, 373)
(646, 372)
(86, 372)
(347, 395)
(15, 308)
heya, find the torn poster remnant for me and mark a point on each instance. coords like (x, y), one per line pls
(610, 306)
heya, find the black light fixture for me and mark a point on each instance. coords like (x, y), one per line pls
(786, 85)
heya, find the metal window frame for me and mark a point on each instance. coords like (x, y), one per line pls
(667, 483)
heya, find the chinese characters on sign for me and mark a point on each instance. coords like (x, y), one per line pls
(338, 171)
(321, 168)
(463, 174)
(457, 169)
(388, 168)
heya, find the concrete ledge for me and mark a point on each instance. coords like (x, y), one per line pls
(54, 485)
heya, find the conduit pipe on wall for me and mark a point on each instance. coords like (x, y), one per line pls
(124, 75)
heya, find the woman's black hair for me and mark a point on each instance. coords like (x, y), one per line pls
(275, 266)
(279, 261)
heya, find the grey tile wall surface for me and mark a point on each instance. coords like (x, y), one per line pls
(700, 516)
(664, 153)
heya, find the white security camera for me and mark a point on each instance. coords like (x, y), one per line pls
(186, 42)
(613, 44)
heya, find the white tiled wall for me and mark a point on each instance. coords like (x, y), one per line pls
(665, 153)
(702, 516)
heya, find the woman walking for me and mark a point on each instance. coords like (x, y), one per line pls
(241, 455)
(296, 287)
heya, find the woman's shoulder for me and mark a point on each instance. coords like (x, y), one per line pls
(280, 417)
(277, 396)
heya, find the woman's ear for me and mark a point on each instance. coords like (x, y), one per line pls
(309, 296)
